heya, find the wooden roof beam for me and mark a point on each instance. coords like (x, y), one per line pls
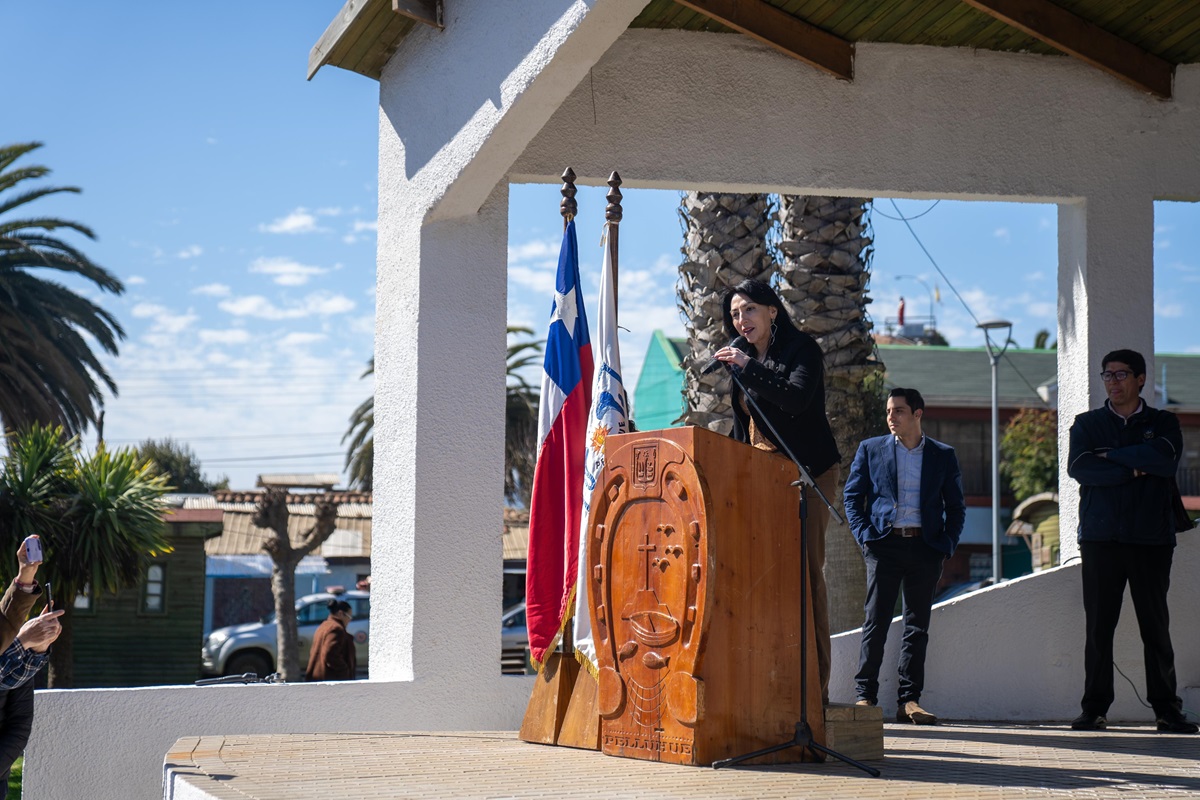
(1086, 41)
(790, 35)
(427, 11)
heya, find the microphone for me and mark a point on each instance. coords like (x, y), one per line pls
(713, 363)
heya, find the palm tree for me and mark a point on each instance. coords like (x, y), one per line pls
(520, 418)
(360, 458)
(100, 517)
(823, 275)
(48, 370)
(725, 242)
(520, 427)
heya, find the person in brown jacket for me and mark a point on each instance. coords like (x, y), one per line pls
(18, 601)
(332, 657)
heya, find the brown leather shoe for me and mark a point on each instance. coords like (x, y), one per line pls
(911, 712)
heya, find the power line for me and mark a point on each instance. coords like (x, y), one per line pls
(932, 261)
(239, 437)
(209, 461)
(903, 218)
(949, 283)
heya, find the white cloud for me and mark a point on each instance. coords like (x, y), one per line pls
(299, 221)
(212, 290)
(165, 321)
(319, 304)
(142, 310)
(298, 339)
(539, 280)
(1042, 309)
(1002, 234)
(1168, 310)
(227, 336)
(135, 280)
(285, 271)
(210, 140)
(1162, 244)
(359, 227)
(191, 251)
(329, 211)
(538, 249)
(1034, 277)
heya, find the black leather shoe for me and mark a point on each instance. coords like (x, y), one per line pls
(1177, 725)
(1089, 722)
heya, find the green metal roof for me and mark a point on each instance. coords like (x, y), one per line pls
(958, 377)
(962, 376)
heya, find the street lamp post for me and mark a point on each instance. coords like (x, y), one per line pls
(994, 354)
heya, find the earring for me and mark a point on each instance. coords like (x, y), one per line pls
(774, 328)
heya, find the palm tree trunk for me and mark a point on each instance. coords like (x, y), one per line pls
(725, 242)
(826, 247)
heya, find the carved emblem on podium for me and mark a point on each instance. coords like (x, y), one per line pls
(645, 465)
(648, 585)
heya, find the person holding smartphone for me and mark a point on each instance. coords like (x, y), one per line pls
(24, 649)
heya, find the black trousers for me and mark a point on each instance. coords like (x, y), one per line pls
(1107, 567)
(896, 564)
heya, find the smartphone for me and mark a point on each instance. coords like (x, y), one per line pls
(49, 597)
(33, 549)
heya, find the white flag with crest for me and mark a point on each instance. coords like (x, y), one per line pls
(609, 415)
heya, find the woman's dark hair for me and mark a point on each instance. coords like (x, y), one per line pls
(764, 295)
(336, 605)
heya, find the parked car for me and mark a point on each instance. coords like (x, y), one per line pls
(514, 641)
(251, 647)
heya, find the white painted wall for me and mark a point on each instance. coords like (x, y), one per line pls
(458, 111)
(108, 744)
(1015, 651)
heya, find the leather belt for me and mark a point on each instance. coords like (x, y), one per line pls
(907, 533)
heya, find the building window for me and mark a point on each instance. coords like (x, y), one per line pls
(154, 590)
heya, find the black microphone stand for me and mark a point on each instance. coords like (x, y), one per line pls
(803, 737)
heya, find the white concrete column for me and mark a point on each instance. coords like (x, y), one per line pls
(1105, 302)
(439, 444)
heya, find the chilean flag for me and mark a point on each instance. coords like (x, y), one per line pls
(557, 504)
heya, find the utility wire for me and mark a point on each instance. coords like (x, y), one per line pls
(950, 283)
(903, 218)
(208, 461)
(932, 261)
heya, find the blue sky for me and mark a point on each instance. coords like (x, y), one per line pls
(238, 202)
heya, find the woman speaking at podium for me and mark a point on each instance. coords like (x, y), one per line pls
(782, 369)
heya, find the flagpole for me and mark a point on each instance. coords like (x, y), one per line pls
(569, 207)
(613, 214)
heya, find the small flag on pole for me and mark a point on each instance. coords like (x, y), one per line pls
(609, 415)
(555, 507)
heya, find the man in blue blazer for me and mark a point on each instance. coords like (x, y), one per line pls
(904, 504)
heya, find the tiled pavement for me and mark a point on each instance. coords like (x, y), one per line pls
(949, 761)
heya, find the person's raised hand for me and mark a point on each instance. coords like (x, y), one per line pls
(26, 570)
(40, 632)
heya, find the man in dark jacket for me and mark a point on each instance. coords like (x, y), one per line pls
(904, 504)
(16, 723)
(1124, 456)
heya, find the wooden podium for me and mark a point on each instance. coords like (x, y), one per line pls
(694, 593)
